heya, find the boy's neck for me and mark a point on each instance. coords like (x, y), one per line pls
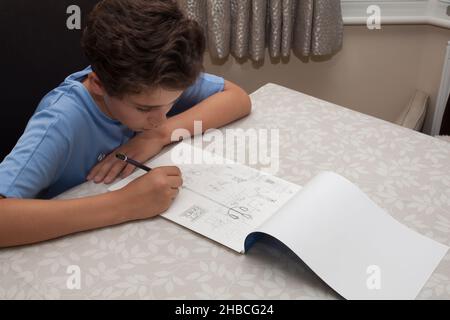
(98, 99)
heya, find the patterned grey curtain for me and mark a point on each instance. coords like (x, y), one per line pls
(245, 28)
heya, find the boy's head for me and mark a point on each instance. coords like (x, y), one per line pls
(144, 53)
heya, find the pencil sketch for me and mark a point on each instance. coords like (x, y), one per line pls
(234, 200)
(193, 213)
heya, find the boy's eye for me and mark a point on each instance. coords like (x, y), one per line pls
(146, 110)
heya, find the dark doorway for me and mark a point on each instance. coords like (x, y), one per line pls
(445, 125)
(37, 52)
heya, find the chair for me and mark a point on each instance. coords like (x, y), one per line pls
(413, 115)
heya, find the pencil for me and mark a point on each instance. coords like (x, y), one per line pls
(123, 157)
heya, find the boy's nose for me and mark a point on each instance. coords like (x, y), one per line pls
(157, 118)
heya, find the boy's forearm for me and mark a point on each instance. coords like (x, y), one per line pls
(214, 112)
(24, 221)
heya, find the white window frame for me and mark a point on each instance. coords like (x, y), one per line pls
(433, 12)
(443, 95)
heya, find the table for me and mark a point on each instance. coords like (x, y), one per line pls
(403, 171)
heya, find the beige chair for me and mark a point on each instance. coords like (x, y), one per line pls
(413, 115)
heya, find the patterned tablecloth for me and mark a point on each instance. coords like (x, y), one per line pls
(403, 171)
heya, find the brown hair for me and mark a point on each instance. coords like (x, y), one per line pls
(138, 44)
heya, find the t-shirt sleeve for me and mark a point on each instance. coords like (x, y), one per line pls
(205, 86)
(38, 157)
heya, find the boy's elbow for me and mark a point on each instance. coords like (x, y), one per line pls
(244, 102)
(247, 105)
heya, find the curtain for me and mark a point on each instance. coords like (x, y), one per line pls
(245, 28)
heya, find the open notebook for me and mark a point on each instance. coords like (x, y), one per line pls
(345, 238)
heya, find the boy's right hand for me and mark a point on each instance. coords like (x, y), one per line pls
(151, 194)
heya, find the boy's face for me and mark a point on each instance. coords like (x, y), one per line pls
(144, 111)
(139, 112)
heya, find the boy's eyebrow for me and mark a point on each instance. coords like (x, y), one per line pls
(150, 106)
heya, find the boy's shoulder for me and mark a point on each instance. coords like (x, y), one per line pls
(205, 85)
(209, 79)
(68, 102)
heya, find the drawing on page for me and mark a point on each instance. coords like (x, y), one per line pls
(246, 196)
(234, 212)
(193, 213)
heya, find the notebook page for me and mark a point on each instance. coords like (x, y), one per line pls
(352, 244)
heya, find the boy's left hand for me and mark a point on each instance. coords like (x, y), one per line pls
(141, 147)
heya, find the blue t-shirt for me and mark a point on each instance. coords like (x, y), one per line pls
(68, 134)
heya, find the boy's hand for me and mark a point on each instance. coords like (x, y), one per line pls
(142, 147)
(151, 193)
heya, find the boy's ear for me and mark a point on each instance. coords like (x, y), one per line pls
(96, 85)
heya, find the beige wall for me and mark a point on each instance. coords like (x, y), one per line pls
(376, 72)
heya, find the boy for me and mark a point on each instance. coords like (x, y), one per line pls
(146, 61)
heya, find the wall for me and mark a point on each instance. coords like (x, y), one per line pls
(376, 72)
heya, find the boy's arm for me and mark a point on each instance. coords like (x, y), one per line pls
(24, 221)
(216, 111)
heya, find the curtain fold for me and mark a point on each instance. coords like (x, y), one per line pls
(245, 28)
